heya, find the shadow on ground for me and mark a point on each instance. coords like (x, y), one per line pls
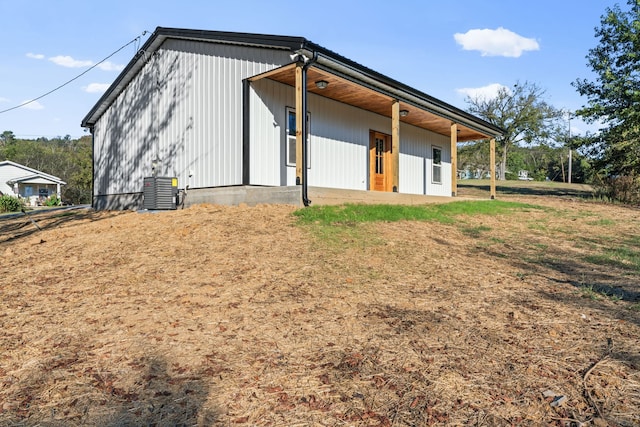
(528, 190)
(161, 394)
(21, 225)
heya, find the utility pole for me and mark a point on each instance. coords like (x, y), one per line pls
(569, 142)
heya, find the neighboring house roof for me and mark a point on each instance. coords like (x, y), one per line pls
(11, 172)
(326, 60)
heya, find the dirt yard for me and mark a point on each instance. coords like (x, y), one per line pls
(228, 316)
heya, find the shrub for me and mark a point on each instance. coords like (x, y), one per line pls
(623, 188)
(10, 204)
(52, 201)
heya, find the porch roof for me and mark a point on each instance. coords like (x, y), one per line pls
(36, 179)
(378, 97)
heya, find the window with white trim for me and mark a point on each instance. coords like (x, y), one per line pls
(291, 138)
(436, 176)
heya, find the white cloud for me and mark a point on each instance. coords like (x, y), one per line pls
(34, 105)
(67, 61)
(110, 66)
(35, 55)
(498, 42)
(96, 87)
(483, 93)
(4, 99)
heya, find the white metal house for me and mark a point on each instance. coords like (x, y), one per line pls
(32, 185)
(225, 110)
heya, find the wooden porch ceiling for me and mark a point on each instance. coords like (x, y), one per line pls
(348, 92)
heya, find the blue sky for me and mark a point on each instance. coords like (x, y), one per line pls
(444, 48)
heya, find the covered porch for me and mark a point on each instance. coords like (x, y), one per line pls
(353, 85)
(36, 188)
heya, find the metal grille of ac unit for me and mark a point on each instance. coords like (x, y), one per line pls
(160, 192)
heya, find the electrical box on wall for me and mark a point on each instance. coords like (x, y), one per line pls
(160, 192)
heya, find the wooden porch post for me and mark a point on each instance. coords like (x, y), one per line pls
(492, 166)
(454, 159)
(299, 119)
(395, 146)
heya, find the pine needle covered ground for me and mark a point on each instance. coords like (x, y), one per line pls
(529, 315)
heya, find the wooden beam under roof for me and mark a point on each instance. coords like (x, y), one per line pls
(395, 147)
(352, 93)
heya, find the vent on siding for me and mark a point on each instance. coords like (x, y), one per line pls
(160, 192)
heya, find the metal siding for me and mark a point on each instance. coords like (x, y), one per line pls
(185, 107)
(122, 139)
(268, 104)
(443, 142)
(340, 143)
(413, 153)
(416, 163)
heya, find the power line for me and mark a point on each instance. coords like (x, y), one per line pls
(75, 78)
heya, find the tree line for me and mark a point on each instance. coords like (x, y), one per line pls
(68, 159)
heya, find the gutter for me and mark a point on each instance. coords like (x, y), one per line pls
(397, 90)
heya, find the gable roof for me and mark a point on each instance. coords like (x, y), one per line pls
(327, 59)
(22, 173)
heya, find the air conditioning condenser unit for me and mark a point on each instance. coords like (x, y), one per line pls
(160, 192)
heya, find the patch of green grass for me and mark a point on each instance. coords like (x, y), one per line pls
(538, 226)
(622, 257)
(444, 213)
(345, 223)
(602, 222)
(589, 292)
(635, 307)
(633, 240)
(596, 294)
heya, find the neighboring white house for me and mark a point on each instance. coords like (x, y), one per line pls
(220, 109)
(30, 184)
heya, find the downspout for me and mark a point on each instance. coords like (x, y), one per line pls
(307, 64)
(93, 166)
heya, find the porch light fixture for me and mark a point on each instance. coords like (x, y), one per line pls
(322, 84)
(404, 113)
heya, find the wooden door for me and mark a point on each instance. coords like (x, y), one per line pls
(379, 161)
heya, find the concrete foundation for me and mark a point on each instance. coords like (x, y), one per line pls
(253, 195)
(245, 194)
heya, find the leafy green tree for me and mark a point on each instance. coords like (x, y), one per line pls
(7, 137)
(524, 115)
(79, 182)
(474, 157)
(614, 95)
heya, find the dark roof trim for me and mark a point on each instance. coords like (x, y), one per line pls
(160, 35)
(294, 44)
(266, 40)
